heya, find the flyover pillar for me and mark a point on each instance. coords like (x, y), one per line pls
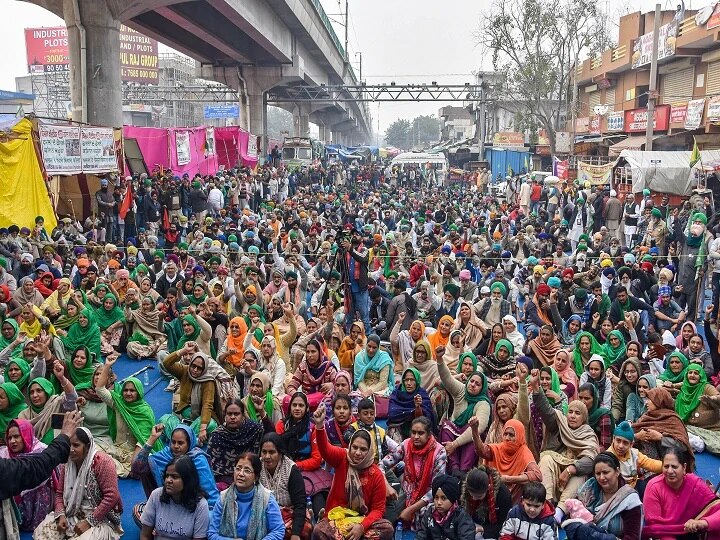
(94, 45)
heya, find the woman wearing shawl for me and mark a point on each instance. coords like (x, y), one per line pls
(585, 347)
(636, 404)
(34, 504)
(51, 306)
(300, 438)
(9, 332)
(682, 341)
(197, 330)
(283, 340)
(568, 449)
(97, 295)
(423, 362)
(84, 332)
(698, 406)
(19, 372)
(358, 485)
(255, 318)
(33, 323)
(12, 403)
(205, 388)
(343, 386)
(487, 346)
(616, 507)
(500, 363)
(442, 335)
(373, 370)
(110, 319)
(455, 347)
(599, 418)
(614, 351)
(147, 339)
(246, 509)
(351, 345)
(315, 374)
(512, 334)
(569, 380)
(259, 387)
(339, 424)
(282, 477)
(87, 498)
(130, 418)
(44, 402)
(122, 284)
(26, 293)
(468, 321)
(570, 330)
(150, 467)
(44, 284)
(69, 313)
(672, 378)
(469, 399)
(406, 339)
(624, 387)
(237, 434)
(511, 457)
(595, 374)
(232, 351)
(660, 427)
(424, 458)
(544, 347)
(407, 402)
(550, 387)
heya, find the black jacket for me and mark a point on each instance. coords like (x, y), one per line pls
(27, 472)
(459, 526)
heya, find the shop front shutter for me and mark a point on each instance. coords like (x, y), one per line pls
(593, 101)
(712, 79)
(610, 99)
(677, 87)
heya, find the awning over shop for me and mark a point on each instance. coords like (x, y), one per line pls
(631, 143)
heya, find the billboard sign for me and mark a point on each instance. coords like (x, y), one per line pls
(221, 111)
(47, 50)
(636, 120)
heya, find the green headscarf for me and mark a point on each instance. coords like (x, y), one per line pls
(89, 336)
(416, 375)
(504, 343)
(469, 355)
(668, 375)
(4, 343)
(65, 321)
(595, 348)
(16, 404)
(269, 404)
(138, 415)
(84, 374)
(554, 386)
(612, 354)
(106, 318)
(258, 334)
(689, 397)
(23, 366)
(190, 319)
(596, 412)
(49, 390)
(467, 414)
(196, 301)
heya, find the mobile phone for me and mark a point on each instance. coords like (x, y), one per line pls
(56, 421)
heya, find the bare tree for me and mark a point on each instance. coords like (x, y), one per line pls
(536, 44)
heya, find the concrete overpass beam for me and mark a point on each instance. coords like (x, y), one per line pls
(100, 74)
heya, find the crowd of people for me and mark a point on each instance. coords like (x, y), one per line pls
(356, 355)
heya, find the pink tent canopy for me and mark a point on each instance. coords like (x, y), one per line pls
(159, 146)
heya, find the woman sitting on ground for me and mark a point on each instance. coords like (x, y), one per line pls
(407, 402)
(283, 478)
(178, 509)
(358, 485)
(247, 509)
(373, 370)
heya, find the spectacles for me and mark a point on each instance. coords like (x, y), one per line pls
(244, 470)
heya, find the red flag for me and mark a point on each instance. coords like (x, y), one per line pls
(127, 202)
(166, 220)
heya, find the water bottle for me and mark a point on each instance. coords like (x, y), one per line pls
(146, 377)
(309, 508)
(399, 530)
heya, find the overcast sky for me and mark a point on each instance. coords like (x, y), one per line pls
(407, 41)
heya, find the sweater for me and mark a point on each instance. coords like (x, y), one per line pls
(459, 526)
(372, 481)
(518, 526)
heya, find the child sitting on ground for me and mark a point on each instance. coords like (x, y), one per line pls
(445, 519)
(533, 518)
(633, 463)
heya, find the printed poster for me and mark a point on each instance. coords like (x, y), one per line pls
(182, 147)
(97, 149)
(695, 109)
(713, 111)
(597, 175)
(252, 146)
(210, 141)
(60, 147)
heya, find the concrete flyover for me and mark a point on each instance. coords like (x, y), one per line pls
(253, 46)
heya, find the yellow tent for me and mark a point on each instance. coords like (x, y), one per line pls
(23, 193)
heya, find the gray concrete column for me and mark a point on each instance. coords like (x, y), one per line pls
(102, 62)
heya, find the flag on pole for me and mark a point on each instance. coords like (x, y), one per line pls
(695, 155)
(127, 201)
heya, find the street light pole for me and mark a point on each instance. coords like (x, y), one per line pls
(347, 57)
(653, 81)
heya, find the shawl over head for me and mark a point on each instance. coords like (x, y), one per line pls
(77, 478)
(511, 458)
(138, 415)
(668, 375)
(376, 363)
(689, 397)
(353, 486)
(545, 350)
(16, 404)
(514, 337)
(83, 374)
(613, 354)
(236, 343)
(472, 401)
(436, 338)
(578, 360)
(428, 369)
(664, 418)
(402, 402)
(33, 445)
(582, 441)
(105, 318)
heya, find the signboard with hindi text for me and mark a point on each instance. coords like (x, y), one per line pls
(182, 147)
(636, 119)
(597, 175)
(678, 113)
(70, 150)
(616, 121)
(508, 139)
(713, 110)
(643, 48)
(695, 109)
